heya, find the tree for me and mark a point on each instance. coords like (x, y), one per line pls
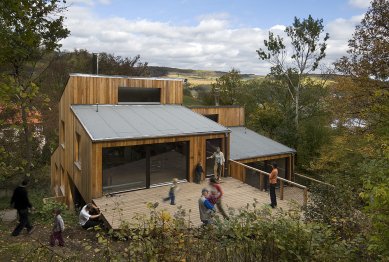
(359, 152)
(369, 46)
(307, 50)
(227, 88)
(29, 30)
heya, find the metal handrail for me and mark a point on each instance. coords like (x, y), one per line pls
(282, 180)
(314, 180)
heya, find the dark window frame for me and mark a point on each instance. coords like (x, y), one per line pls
(139, 95)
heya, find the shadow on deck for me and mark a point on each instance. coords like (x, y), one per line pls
(124, 206)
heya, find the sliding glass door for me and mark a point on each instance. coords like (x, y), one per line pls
(124, 168)
(136, 167)
(168, 161)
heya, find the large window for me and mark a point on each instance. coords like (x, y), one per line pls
(168, 161)
(134, 167)
(139, 95)
(124, 168)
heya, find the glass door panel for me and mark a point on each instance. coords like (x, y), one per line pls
(124, 168)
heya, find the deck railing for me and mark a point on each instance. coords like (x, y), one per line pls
(309, 181)
(287, 189)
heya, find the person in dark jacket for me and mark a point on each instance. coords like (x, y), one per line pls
(198, 171)
(22, 204)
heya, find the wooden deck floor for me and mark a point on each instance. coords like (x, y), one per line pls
(123, 207)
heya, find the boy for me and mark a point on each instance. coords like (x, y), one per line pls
(172, 192)
(199, 170)
(58, 228)
(206, 208)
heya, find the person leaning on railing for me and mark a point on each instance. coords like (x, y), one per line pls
(273, 182)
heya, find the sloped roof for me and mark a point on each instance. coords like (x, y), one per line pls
(120, 122)
(246, 144)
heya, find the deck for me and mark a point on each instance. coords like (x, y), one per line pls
(124, 206)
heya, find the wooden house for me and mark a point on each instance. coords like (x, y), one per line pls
(118, 134)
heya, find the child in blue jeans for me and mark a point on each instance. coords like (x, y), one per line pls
(172, 192)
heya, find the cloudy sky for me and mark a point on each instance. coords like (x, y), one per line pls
(202, 34)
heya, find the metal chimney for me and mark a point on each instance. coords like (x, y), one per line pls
(95, 63)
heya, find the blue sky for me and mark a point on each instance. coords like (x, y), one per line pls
(202, 34)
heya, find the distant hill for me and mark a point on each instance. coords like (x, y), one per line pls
(195, 77)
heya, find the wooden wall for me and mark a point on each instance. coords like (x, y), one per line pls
(239, 172)
(228, 115)
(197, 153)
(90, 89)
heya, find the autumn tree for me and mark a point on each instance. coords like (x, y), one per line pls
(29, 29)
(293, 60)
(358, 155)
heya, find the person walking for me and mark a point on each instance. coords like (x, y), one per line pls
(22, 204)
(206, 209)
(273, 182)
(198, 172)
(218, 201)
(58, 228)
(172, 192)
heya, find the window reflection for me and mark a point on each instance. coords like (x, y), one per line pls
(127, 168)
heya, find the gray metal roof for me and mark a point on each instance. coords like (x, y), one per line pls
(246, 144)
(119, 122)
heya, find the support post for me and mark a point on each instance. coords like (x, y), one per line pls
(305, 196)
(281, 190)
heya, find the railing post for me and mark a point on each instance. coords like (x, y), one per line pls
(281, 190)
(305, 195)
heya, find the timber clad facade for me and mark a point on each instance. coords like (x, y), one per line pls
(122, 133)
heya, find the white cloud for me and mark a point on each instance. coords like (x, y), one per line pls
(105, 2)
(359, 3)
(211, 44)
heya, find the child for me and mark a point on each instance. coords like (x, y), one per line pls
(172, 192)
(58, 228)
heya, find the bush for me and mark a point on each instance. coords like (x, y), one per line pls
(251, 234)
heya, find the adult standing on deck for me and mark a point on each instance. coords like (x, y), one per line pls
(219, 162)
(273, 182)
(22, 204)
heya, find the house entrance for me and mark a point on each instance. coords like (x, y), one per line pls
(136, 167)
(211, 146)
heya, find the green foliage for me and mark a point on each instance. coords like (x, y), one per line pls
(305, 51)
(29, 29)
(369, 45)
(227, 88)
(44, 213)
(251, 234)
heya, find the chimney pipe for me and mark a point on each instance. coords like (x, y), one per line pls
(95, 63)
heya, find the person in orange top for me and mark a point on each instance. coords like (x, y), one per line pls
(273, 182)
